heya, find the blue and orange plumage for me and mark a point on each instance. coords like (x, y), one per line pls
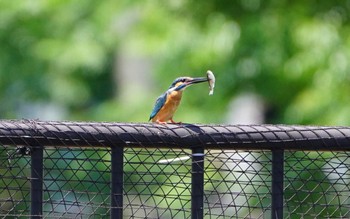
(167, 103)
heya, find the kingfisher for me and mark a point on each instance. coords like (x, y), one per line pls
(167, 103)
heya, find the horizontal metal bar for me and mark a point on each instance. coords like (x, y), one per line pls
(247, 137)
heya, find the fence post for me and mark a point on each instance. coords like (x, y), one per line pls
(117, 159)
(277, 184)
(197, 194)
(36, 189)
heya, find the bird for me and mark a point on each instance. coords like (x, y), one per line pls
(167, 103)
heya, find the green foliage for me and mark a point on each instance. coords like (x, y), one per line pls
(294, 55)
(52, 52)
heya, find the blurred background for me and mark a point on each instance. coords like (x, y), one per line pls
(275, 61)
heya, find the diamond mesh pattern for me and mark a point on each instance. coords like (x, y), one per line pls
(76, 182)
(155, 185)
(14, 185)
(236, 184)
(158, 175)
(317, 185)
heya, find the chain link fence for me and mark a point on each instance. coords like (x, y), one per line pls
(102, 170)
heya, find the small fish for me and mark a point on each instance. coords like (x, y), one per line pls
(211, 81)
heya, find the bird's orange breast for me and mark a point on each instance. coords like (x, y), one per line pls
(167, 111)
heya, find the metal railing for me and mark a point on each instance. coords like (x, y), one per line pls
(144, 170)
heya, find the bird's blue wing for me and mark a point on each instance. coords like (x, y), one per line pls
(158, 105)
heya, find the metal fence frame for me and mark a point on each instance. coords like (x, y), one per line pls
(197, 137)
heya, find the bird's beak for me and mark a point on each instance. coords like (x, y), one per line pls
(197, 80)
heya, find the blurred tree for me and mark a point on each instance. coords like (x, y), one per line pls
(294, 55)
(59, 52)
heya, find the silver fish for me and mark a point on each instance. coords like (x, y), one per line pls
(211, 81)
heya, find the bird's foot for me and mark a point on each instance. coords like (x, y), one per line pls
(164, 123)
(161, 122)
